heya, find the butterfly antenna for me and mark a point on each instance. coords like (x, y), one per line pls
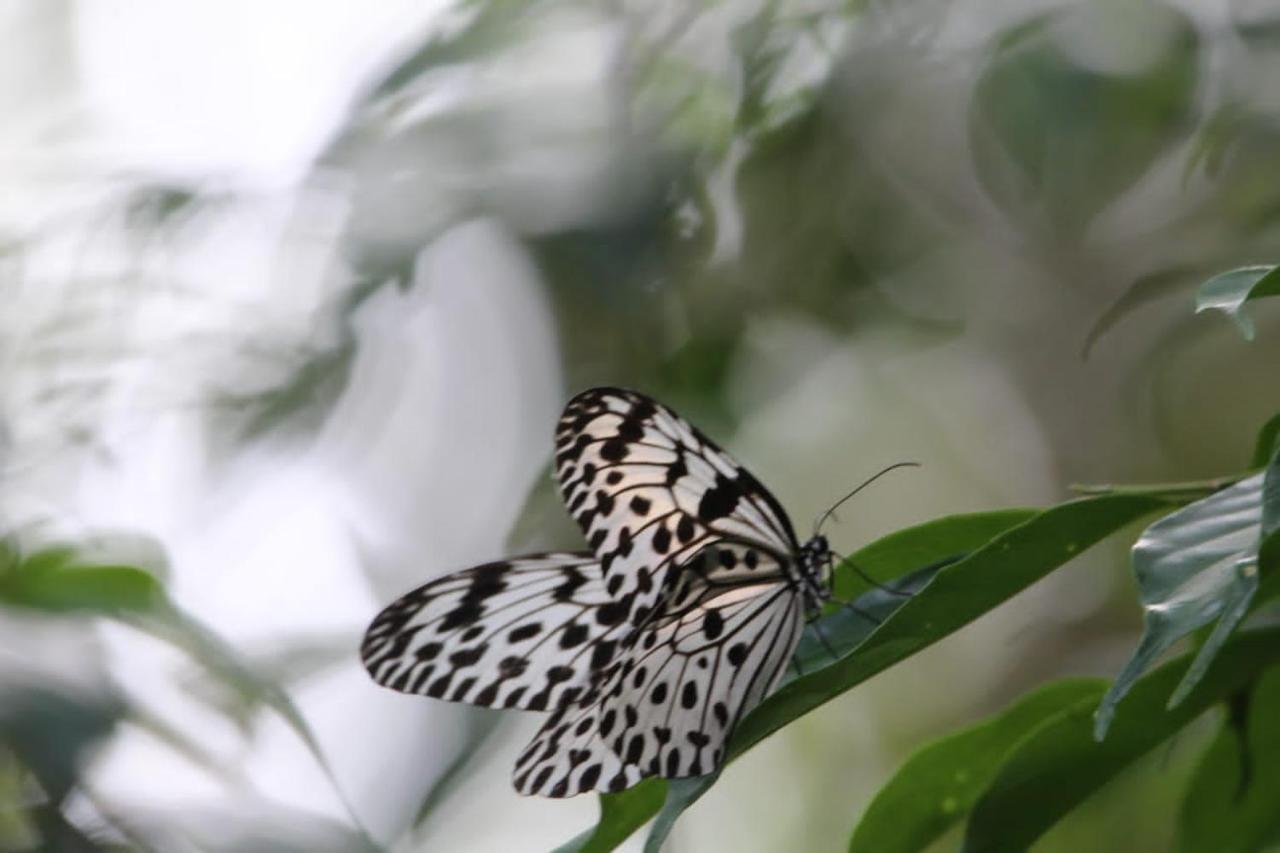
(826, 515)
(845, 561)
(849, 605)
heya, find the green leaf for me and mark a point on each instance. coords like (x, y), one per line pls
(1194, 566)
(620, 815)
(959, 593)
(1269, 544)
(936, 788)
(922, 545)
(1232, 804)
(1229, 292)
(1268, 442)
(1271, 496)
(57, 580)
(1060, 764)
(53, 733)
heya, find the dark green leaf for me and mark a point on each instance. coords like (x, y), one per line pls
(1194, 566)
(1269, 544)
(1271, 496)
(52, 732)
(1060, 764)
(959, 593)
(1230, 291)
(935, 789)
(1268, 442)
(1233, 802)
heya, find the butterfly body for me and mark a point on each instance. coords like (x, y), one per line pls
(648, 648)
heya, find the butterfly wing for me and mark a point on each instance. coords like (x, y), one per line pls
(668, 706)
(529, 633)
(650, 492)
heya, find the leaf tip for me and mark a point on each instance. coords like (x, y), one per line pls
(1102, 718)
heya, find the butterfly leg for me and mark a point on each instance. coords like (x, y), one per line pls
(795, 662)
(822, 638)
(870, 580)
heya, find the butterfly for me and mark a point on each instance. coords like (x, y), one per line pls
(646, 649)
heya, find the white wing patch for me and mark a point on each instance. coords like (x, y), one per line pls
(668, 707)
(650, 491)
(528, 633)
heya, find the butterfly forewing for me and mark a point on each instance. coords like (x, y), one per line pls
(525, 633)
(650, 492)
(669, 705)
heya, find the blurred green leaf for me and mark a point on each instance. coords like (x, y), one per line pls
(960, 592)
(479, 724)
(1058, 130)
(51, 732)
(935, 789)
(485, 28)
(1214, 141)
(1232, 804)
(263, 828)
(1194, 566)
(1060, 764)
(58, 580)
(1229, 292)
(228, 667)
(1142, 291)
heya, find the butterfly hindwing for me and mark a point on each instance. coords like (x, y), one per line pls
(527, 633)
(668, 706)
(650, 492)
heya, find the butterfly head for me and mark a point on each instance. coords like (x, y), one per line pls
(815, 559)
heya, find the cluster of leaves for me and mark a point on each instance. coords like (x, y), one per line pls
(1205, 565)
(50, 731)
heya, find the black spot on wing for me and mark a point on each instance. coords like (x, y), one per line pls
(712, 624)
(574, 635)
(719, 500)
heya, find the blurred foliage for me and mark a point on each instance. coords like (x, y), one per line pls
(48, 734)
(1067, 114)
(763, 161)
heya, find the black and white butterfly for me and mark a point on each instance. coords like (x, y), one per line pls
(648, 648)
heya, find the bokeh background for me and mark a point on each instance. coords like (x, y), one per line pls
(292, 293)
